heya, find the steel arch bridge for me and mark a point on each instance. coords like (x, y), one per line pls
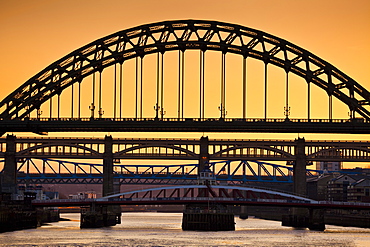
(22, 109)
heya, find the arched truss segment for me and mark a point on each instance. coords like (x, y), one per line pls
(170, 188)
(131, 151)
(40, 149)
(255, 151)
(182, 35)
(58, 167)
(342, 153)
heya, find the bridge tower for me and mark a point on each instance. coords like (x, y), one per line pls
(108, 166)
(9, 176)
(299, 168)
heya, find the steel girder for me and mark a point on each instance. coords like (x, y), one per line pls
(182, 35)
(238, 172)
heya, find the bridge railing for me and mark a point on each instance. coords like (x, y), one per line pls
(249, 120)
(197, 200)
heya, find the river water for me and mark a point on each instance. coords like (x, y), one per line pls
(164, 229)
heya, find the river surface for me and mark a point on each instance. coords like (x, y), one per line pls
(164, 229)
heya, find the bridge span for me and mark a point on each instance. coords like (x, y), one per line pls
(185, 149)
(204, 194)
(193, 87)
(299, 153)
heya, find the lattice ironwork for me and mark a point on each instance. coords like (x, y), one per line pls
(183, 35)
(47, 171)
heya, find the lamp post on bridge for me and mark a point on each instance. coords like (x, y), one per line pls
(39, 112)
(159, 110)
(101, 112)
(92, 109)
(223, 111)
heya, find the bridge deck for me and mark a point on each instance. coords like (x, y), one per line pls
(44, 125)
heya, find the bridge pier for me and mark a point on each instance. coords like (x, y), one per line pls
(302, 217)
(108, 178)
(203, 217)
(316, 219)
(99, 216)
(95, 216)
(243, 213)
(313, 221)
(299, 168)
(9, 176)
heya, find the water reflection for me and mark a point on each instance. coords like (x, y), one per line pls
(164, 229)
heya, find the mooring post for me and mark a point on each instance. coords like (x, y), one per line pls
(9, 176)
(203, 153)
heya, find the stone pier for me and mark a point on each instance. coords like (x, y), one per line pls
(99, 216)
(243, 213)
(302, 217)
(207, 218)
(9, 176)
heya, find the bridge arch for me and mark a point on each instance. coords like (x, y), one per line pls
(224, 189)
(275, 152)
(40, 149)
(341, 153)
(184, 35)
(182, 151)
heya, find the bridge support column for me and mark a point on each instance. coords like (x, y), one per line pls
(108, 166)
(243, 213)
(204, 217)
(316, 220)
(99, 216)
(9, 176)
(203, 153)
(299, 217)
(110, 214)
(299, 168)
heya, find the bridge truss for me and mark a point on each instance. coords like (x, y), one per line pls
(62, 82)
(207, 195)
(51, 171)
(186, 149)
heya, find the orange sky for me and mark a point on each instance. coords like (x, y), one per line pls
(36, 33)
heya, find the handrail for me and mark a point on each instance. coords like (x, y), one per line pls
(238, 120)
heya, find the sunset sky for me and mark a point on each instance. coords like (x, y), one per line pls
(36, 33)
